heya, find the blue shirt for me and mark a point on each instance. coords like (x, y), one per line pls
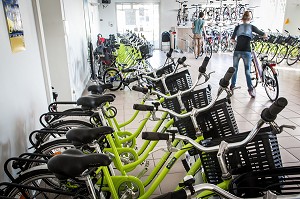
(198, 26)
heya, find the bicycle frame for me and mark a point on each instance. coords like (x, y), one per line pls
(115, 181)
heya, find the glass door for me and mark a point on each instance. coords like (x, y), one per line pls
(142, 18)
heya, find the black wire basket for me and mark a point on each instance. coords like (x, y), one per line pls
(176, 82)
(281, 181)
(262, 153)
(194, 99)
(167, 69)
(217, 122)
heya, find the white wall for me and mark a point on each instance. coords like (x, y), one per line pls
(269, 14)
(23, 96)
(293, 14)
(77, 46)
(51, 12)
(108, 15)
(66, 44)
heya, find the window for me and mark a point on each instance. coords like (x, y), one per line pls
(142, 18)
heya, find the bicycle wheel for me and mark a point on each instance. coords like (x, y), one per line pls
(208, 50)
(226, 14)
(54, 147)
(258, 47)
(43, 178)
(65, 125)
(113, 76)
(272, 52)
(281, 54)
(224, 44)
(293, 56)
(270, 82)
(264, 49)
(215, 45)
(253, 74)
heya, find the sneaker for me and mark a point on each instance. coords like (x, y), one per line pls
(252, 93)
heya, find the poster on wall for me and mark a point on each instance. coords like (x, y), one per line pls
(14, 25)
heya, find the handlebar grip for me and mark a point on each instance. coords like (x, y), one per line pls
(142, 107)
(140, 89)
(224, 82)
(155, 136)
(270, 114)
(181, 60)
(180, 194)
(169, 54)
(107, 86)
(202, 68)
(131, 80)
(128, 70)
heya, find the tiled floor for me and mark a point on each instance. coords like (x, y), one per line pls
(247, 111)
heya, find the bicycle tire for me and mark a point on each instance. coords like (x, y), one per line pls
(226, 14)
(264, 49)
(272, 52)
(64, 124)
(253, 74)
(224, 44)
(208, 50)
(233, 15)
(258, 48)
(281, 55)
(42, 175)
(270, 81)
(216, 45)
(293, 56)
(241, 11)
(50, 147)
(114, 77)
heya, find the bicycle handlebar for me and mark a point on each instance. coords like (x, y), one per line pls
(140, 89)
(169, 54)
(181, 60)
(274, 109)
(131, 80)
(186, 193)
(224, 82)
(143, 107)
(128, 70)
(270, 114)
(202, 68)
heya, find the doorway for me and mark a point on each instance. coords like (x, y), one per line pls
(142, 18)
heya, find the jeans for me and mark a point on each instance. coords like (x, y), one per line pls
(247, 57)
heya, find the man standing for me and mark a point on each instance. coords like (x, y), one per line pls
(198, 29)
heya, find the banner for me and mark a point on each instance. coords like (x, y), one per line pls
(14, 25)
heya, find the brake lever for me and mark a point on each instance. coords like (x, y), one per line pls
(286, 126)
(207, 76)
(170, 147)
(154, 118)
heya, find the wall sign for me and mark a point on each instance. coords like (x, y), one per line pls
(14, 25)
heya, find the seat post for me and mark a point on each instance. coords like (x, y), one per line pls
(90, 186)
